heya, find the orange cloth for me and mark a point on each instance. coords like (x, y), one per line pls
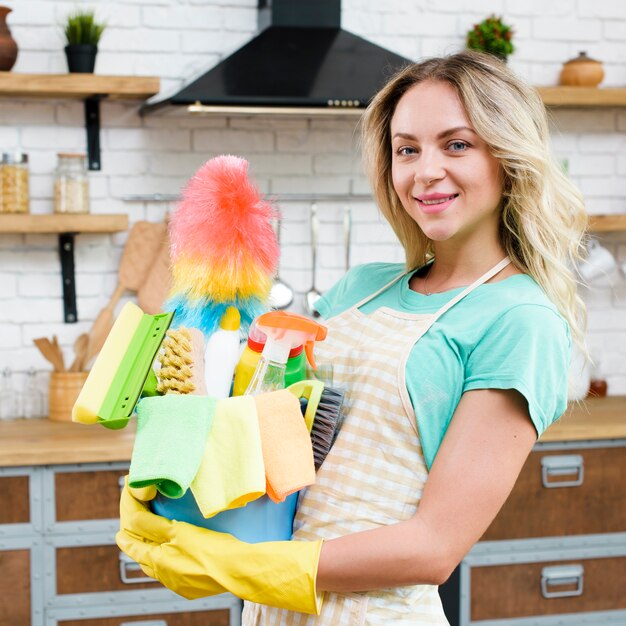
(286, 444)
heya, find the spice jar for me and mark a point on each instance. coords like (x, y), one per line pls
(14, 183)
(71, 184)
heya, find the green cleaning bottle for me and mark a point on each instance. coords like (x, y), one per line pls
(295, 369)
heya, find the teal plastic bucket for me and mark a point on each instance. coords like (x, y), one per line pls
(260, 520)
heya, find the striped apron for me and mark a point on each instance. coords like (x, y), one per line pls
(375, 473)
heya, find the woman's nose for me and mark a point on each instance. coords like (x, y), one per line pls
(428, 169)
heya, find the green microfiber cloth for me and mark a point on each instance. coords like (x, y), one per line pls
(171, 434)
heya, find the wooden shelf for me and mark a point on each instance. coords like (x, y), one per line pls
(84, 223)
(583, 96)
(65, 226)
(607, 223)
(78, 86)
(91, 88)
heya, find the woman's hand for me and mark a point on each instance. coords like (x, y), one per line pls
(195, 562)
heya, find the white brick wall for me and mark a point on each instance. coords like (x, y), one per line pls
(177, 39)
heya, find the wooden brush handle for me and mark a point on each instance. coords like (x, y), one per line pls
(197, 357)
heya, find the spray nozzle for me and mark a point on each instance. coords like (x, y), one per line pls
(285, 331)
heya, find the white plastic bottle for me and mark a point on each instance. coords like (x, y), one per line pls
(222, 354)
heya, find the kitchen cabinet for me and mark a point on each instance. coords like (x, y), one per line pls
(556, 551)
(59, 487)
(59, 565)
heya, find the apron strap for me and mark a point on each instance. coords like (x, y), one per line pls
(483, 279)
(373, 295)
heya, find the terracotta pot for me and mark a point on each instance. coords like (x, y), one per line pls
(582, 72)
(8, 47)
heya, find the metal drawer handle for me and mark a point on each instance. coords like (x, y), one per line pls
(150, 622)
(562, 465)
(127, 565)
(560, 575)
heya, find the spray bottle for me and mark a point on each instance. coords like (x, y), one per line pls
(284, 331)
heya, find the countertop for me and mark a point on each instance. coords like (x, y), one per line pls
(44, 442)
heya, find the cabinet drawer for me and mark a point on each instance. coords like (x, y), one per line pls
(14, 500)
(515, 590)
(565, 492)
(94, 569)
(197, 618)
(15, 586)
(87, 495)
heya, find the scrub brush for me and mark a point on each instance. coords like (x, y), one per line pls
(223, 247)
(321, 408)
(182, 362)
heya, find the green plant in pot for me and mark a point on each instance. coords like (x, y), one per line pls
(493, 36)
(82, 34)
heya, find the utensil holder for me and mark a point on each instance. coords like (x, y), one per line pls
(63, 392)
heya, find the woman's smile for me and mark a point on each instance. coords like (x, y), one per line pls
(436, 202)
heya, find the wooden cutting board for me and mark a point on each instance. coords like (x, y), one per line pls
(155, 288)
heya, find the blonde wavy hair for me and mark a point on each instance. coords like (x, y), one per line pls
(543, 220)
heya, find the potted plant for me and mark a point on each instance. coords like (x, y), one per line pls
(82, 34)
(493, 36)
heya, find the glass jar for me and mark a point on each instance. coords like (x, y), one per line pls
(71, 184)
(14, 183)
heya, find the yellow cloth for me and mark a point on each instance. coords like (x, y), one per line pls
(195, 562)
(231, 472)
(286, 444)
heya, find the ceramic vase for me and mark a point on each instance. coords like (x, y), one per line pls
(8, 47)
(582, 72)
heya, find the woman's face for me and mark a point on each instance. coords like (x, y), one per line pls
(443, 172)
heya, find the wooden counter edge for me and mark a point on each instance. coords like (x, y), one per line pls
(44, 442)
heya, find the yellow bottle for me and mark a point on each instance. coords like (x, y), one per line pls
(295, 370)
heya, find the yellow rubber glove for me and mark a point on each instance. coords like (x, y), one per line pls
(195, 562)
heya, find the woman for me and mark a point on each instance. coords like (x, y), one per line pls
(451, 369)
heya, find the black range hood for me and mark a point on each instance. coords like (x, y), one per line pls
(303, 59)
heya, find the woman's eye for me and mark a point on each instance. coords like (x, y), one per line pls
(405, 151)
(457, 146)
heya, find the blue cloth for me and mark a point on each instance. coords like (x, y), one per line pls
(504, 335)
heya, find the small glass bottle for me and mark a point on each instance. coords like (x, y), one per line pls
(32, 397)
(9, 400)
(14, 196)
(71, 184)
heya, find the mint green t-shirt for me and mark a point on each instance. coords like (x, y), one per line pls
(503, 335)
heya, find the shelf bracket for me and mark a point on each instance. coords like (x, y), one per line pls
(66, 254)
(92, 125)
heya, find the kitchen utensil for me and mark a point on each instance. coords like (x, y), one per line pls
(123, 368)
(155, 288)
(59, 352)
(312, 295)
(80, 351)
(598, 263)
(50, 353)
(139, 253)
(347, 231)
(281, 294)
